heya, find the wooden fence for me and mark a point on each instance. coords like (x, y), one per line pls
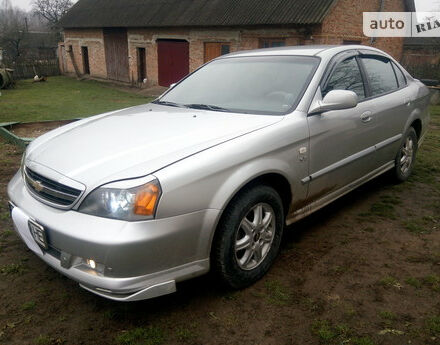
(25, 70)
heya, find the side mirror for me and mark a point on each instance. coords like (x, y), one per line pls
(335, 100)
(172, 85)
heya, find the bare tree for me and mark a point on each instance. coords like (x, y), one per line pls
(52, 10)
(13, 29)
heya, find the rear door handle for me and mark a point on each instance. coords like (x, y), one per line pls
(407, 101)
(366, 117)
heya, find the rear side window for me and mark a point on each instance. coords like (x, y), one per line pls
(399, 74)
(380, 75)
(346, 76)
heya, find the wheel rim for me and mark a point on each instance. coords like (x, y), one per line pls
(406, 155)
(254, 236)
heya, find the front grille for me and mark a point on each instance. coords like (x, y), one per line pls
(50, 190)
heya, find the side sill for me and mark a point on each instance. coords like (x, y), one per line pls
(316, 205)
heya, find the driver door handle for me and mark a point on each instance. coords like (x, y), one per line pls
(366, 117)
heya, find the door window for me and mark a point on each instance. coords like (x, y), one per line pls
(399, 74)
(346, 76)
(380, 74)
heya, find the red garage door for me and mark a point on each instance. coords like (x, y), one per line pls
(173, 61)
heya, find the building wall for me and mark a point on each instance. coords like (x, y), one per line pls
(342, 23)
(239, 39)
(421, 56)
(422, 62)
(93, 39)
(345, 21)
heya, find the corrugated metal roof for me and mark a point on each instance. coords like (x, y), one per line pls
(172, 13)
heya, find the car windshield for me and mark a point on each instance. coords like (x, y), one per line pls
(257, 85)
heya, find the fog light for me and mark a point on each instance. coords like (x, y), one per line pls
(91, 263)
(91, 266)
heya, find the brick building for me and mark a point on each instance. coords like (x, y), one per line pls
(163, 40)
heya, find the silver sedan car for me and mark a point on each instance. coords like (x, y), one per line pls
(130, 202)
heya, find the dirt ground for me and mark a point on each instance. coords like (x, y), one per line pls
(35, 129)
(365, 270)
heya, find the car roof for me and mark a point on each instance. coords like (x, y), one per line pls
(307, 50)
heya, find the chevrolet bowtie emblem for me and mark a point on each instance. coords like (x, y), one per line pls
(38, 186)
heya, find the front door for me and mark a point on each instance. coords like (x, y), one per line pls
(173, 61)
(341, 142)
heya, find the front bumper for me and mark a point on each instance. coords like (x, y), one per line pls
(135, 260)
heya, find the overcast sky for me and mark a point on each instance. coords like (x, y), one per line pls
(422, 5)
(427, 5)
(25, 4)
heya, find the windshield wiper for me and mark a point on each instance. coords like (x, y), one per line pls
(206, 107)
(171, 104)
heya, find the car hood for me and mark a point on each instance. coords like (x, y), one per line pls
(136, 141)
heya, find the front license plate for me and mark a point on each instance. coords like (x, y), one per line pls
(38, 233)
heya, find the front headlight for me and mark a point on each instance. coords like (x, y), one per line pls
(131, 204)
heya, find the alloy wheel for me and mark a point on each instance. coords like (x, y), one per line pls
(254, 236)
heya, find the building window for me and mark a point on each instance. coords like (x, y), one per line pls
(272, 42)
(216, 49)
(351, 42)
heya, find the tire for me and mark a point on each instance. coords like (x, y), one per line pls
(406, 156)
(246, 244)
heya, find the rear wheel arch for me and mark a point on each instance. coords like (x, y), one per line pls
(417, 125)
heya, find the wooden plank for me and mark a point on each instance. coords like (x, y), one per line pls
(212, 50)
(5, 124)
(116, 53)
(12, 138)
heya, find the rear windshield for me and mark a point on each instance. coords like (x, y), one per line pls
(261, 85)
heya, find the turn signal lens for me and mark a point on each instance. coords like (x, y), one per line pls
(146, 199)
(91, 263)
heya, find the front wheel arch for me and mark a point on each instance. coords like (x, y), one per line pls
(274, 180)
(222, 261)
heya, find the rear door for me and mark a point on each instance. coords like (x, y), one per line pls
(341, 141)
(392, 104)
(173, 61)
